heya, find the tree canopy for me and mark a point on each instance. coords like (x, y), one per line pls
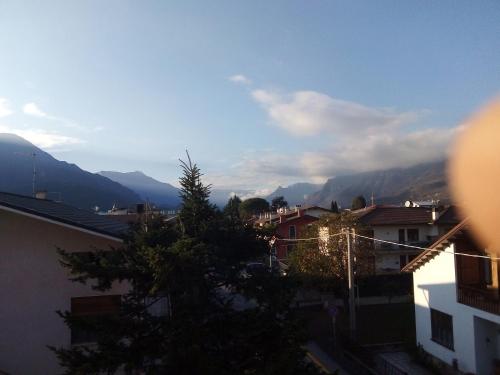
(323, 263)
(278, 202)
(188, 308)
(232, 208)
(253, 206)
(358, 202)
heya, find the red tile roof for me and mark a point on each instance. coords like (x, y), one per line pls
(393, 215)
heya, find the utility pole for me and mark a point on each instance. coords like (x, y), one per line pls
(350, 280)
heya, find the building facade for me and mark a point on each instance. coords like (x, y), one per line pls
(399, 226)
(457, 306)
(34, 285)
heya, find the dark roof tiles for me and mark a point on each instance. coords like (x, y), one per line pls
(64, 214)
(387, 215)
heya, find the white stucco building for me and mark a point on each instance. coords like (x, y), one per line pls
(457, 306)
(34, 285)
(417, 226)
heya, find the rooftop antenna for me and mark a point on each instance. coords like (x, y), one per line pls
(33, 154)
(373, 200)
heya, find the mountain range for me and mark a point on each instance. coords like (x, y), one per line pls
(77, 187)
(390, 186)
(61, 180)
(296, 193)
(162, 194)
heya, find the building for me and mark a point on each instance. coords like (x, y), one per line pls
(289, 229)
(414, 226)
(34, 285)
(290, 224)
(457, 305)
(286, 213)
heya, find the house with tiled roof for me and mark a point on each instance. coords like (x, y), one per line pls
(457, 303)
(399, 226)
(290, 224)
(34, 285)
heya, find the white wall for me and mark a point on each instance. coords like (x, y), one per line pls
(435, 286)
(390, 232)
(390, 258)
(33, 285)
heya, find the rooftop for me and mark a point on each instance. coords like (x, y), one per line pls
(63, 214)
(439, 245)
(394, 215)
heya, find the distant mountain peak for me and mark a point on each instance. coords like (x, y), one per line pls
(160, 193)
(15, 139)
(74, 186)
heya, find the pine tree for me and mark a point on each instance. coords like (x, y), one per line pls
(231, 211)
(195, 270)
(334, 207)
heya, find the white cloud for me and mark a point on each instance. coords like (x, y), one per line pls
(308, 113)
(5, 109)
(32, 109)
(379, 152)
(43, 138)
(240, 79)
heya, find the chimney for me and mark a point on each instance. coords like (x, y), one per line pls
(282, 218)
(42, 194)
(435, 214)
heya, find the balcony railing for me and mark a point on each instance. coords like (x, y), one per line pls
(482, 299)
(393, 247)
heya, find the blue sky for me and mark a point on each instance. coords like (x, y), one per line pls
(261, 92)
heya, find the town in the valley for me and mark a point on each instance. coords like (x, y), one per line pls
(249, 188)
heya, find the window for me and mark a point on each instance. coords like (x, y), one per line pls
(291, 232)
(488, 279)
(442, 328)
(88, 307)
(412, 235)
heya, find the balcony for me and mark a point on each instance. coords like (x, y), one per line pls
(381, 246)
(480, 298)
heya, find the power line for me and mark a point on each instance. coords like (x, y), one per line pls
(308, 239)
(427, 248)
(389, 242)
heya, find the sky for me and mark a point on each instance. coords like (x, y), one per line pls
(261, 93)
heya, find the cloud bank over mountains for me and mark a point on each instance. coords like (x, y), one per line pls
(351, 137)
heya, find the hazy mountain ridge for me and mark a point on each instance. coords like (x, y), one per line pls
(60, 179)
(296, 193)
(395, 185)
(160, 193)
(164, 194)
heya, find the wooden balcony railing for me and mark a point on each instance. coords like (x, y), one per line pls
(479, 298)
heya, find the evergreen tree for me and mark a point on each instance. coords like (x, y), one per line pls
(232, 209)
(217, 321)
(334, 207)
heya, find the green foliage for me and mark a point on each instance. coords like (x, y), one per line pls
(323, 263)
(358, 202)
(232, 209)
(253, 206)
(278, 202)
(218, 321)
